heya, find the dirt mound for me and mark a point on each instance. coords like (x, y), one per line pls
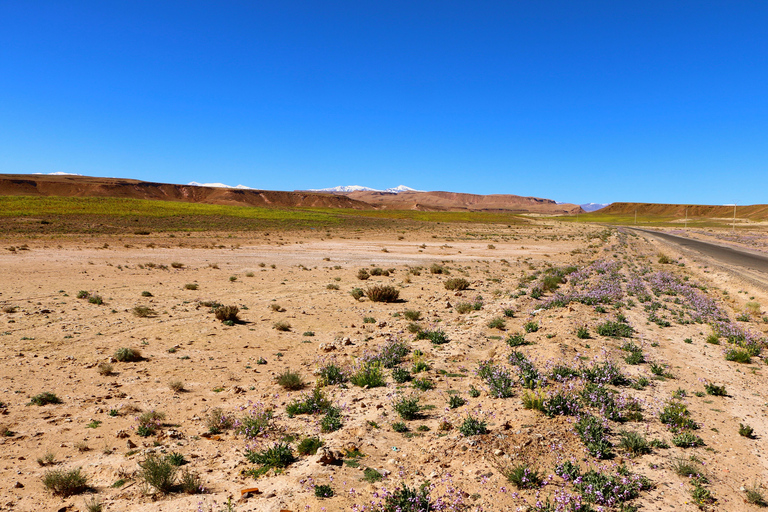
(455, 201)
(85, 186)
(756, 211)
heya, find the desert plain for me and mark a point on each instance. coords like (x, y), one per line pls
(544, 365)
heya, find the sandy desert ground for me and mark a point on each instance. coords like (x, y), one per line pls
(532, 391)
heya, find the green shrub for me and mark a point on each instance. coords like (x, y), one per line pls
(463, 307)
(746, 431)
(687, 440)
(738, 355)
(357, 293)
(436, 336)
(615, 329)
(254, 423)
(582, 332)
(405, 499)
(516, 340)
(190, 482)
(363, 274)
(372, 476)
(191, 286)
(412, 315)
(473, 427)
(45, 398)
(323, 491)
(279, 455)
(309, 445)
(423, 384)
(399, 427)
(523, 477)
(176, 458)
(290, 380)
(158, 473)
(676, 415)
(497, 323)
(455, 401)
(330, 374)
(531, 326)
(332, 420)
(407, 407)
(96, 299)
(369, 374)
(385, 293)
(436, 268)
(65, 483)
(456, 284)
(594, 436)
(313, 403)
(82, 294)
(714, 390)
(633, 443)
(401, 375)
(127, 355)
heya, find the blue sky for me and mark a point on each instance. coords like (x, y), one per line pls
(574, 101)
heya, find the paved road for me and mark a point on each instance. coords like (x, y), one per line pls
(725, 255)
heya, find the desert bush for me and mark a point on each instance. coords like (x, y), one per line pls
(746, 431)
(357, 293)
(676, 416)
(65, 483)
(255, 422)
(738, 355)
(463, 307)
(309, 445)
(523, 477)
(190, 482)
(372, 476)
(368, 374)
(386, 293)
(687, 440)
(93, 504)
(96, 299)
(412, 315)
(436, 336)
(191, 286)
(363, 274)
(605, 489)
(456, 284)
(331, 373)
(143, 311)
(176, 386)
(531, 326)
(82, 294)
(561, 404)
(377, 271)
(594, 436)
(158, 473)
(176, 458)
(715, 390)
(45, 398)
(436, 268)
(497, 323)
(615, 329)
(332, 286)
(407, 407)
(227, 313)
(146, 294)
(149, 422)
(290, 380)
(534, 400)
(497, 378)
(323, 491)
(282, 326)
(400, 375)
(664, 259)
(105, 369)
(279, 455)
(312, 403)
(48, 459)
(562, 373)
(127, 355)
(455, 401)
(217, 421)
(399, 426)
(423, 384)
(755, 496)
(516, 340)
(473, 426)
(582, 332)
(634, 443)
(332, 421)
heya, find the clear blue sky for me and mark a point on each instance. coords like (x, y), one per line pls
(576, 101)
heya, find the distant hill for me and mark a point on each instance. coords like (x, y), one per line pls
(399, 198)
(754, 212)
(456, 201)
(86, 186)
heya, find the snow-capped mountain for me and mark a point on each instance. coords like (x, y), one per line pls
(358, 188)
(591, 207)
(217, 185)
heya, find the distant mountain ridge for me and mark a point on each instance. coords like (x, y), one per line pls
(592, 207)
(358, 188)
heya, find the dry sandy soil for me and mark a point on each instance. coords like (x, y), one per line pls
(53, 341)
